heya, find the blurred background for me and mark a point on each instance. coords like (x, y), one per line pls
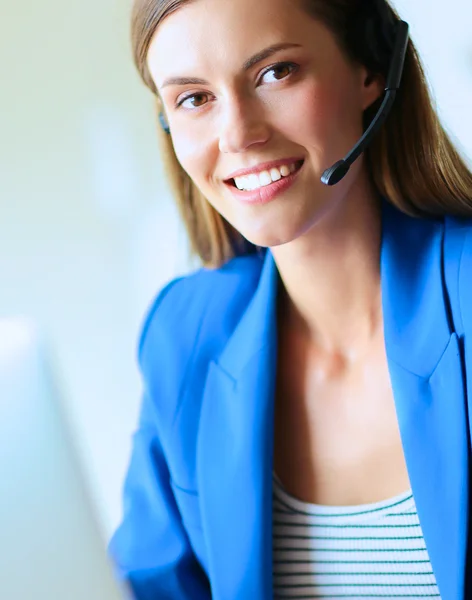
(88, 229)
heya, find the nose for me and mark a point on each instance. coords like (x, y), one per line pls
(243, 124)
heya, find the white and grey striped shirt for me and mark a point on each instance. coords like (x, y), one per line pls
(371, 551)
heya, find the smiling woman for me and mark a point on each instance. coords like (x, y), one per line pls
(304, 430)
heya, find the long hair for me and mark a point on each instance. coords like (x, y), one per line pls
(411, 161)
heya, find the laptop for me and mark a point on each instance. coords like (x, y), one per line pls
(51, 546)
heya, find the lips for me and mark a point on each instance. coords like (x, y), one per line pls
(266, 193)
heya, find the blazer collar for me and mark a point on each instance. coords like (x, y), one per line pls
(236, 426)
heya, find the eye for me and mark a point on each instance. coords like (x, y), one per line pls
(282, 66)
(180, 102)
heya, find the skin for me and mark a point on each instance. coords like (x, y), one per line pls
(339, 427)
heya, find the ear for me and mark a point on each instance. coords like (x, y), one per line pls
(373, 87)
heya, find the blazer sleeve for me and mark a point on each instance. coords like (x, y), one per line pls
(150, 549)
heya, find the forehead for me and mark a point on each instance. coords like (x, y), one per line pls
(206, 33)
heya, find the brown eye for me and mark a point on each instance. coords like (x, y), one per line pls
(285, 68)
(195, 105)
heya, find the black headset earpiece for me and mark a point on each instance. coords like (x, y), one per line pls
(334, 174)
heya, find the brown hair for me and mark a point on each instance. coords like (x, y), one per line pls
(412, 161)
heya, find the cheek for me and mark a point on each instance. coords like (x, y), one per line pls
(197, 160)
(189, 153)
(192, 156)
(326, 121)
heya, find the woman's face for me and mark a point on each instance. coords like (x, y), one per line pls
(310, 107)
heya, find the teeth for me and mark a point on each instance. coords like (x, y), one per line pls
(252, 182)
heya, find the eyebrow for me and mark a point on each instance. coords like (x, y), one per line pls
(250, 62)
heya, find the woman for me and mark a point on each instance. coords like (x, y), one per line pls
(304, 429)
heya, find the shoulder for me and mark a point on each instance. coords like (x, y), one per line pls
(461, 234)
(192, 315)
(459, 231)
(458, 252)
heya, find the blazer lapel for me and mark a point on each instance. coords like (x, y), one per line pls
(235, 450)
(425, 370)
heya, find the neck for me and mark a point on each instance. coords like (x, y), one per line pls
(330, 278)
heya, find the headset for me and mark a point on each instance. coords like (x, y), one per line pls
(335, 173)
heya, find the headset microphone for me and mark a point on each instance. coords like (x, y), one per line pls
(335, 173)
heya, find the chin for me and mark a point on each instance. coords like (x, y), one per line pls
(269, 239)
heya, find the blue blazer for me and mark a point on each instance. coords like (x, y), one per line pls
(198, 493)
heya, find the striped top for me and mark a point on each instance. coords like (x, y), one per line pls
(370, 551)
